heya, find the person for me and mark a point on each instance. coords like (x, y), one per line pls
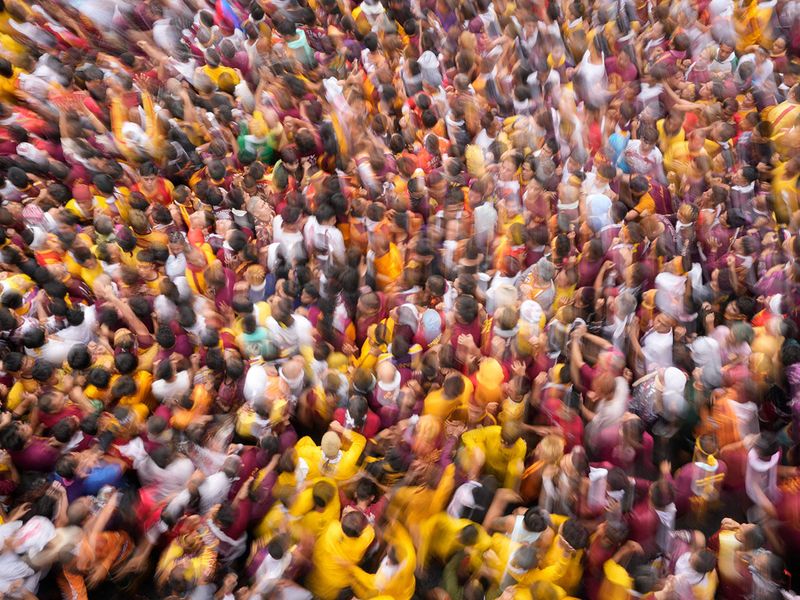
(397, 299)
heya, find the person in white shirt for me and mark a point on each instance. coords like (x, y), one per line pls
(642, 156)
(214, 489)
(170, 385)
(323, 239)
(81, 325)
(287, 239)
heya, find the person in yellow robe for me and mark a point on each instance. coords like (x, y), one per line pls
(341, 544)
(388, 261)
(441, 536)
(617, 582)
(9, 81)
(746, 24)
(678, 158)
(670, 130)
(395, 575)
(315, 508)
(328, 459)
(573, 538)
(412, 505)
(784, 189)
(783, 116)
(453, 395)
(504, 450)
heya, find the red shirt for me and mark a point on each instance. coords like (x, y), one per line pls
(643, 523)
(370, 428)
(50, 419)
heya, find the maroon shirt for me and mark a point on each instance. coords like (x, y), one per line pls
(50, 419)
(643, 523)
(37, 455)
(370, 428)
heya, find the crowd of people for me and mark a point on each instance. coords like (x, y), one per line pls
(399, 299)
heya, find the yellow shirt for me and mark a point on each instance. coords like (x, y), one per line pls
(616, 581)
(505, 463)
(8, 85)
(783, 116)
(413, 505)
(439, 406)
(665, 141)
(15, 393)
(389, 267)
(333, 550)
(197, 568)
(398, 585)
(344, 468)
(90, 275)
(646, 204)
(439, 539)
(573, 571)
(214, 73)
(307, 520)
(784, 192)
(120, 204)
(678, 159)
(747, 26)
(274, 522)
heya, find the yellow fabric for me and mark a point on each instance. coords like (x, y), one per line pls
(573, 570)
(678, 159)
(783, 116)
(332, 551)
(214, 73)
(550, 574)
(707, 590)
(307, 520)
(646, 204)
(438, 540)
(746, 24)
(437, 405)
(347, 466)
(74, 208)
(667, 141)
(402, 584)
(201, 403)
(19, 283)
(15, 393)
(138, 402)
(389, 267)
(274, 522)
(367, 359)
(524, 593)
(616, 582)
(8, 85)
(89, 276)
(197, 568)
(413, 505)
(784, 191)
(504, 463)
(101, 203)
(727, 559)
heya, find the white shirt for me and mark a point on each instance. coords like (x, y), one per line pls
(163, 389)
(176, 265)
(333, 238)
(214, 490)
(83, 333)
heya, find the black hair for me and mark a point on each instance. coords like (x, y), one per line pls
(79, 357)
(99, 377)
(126, 362)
